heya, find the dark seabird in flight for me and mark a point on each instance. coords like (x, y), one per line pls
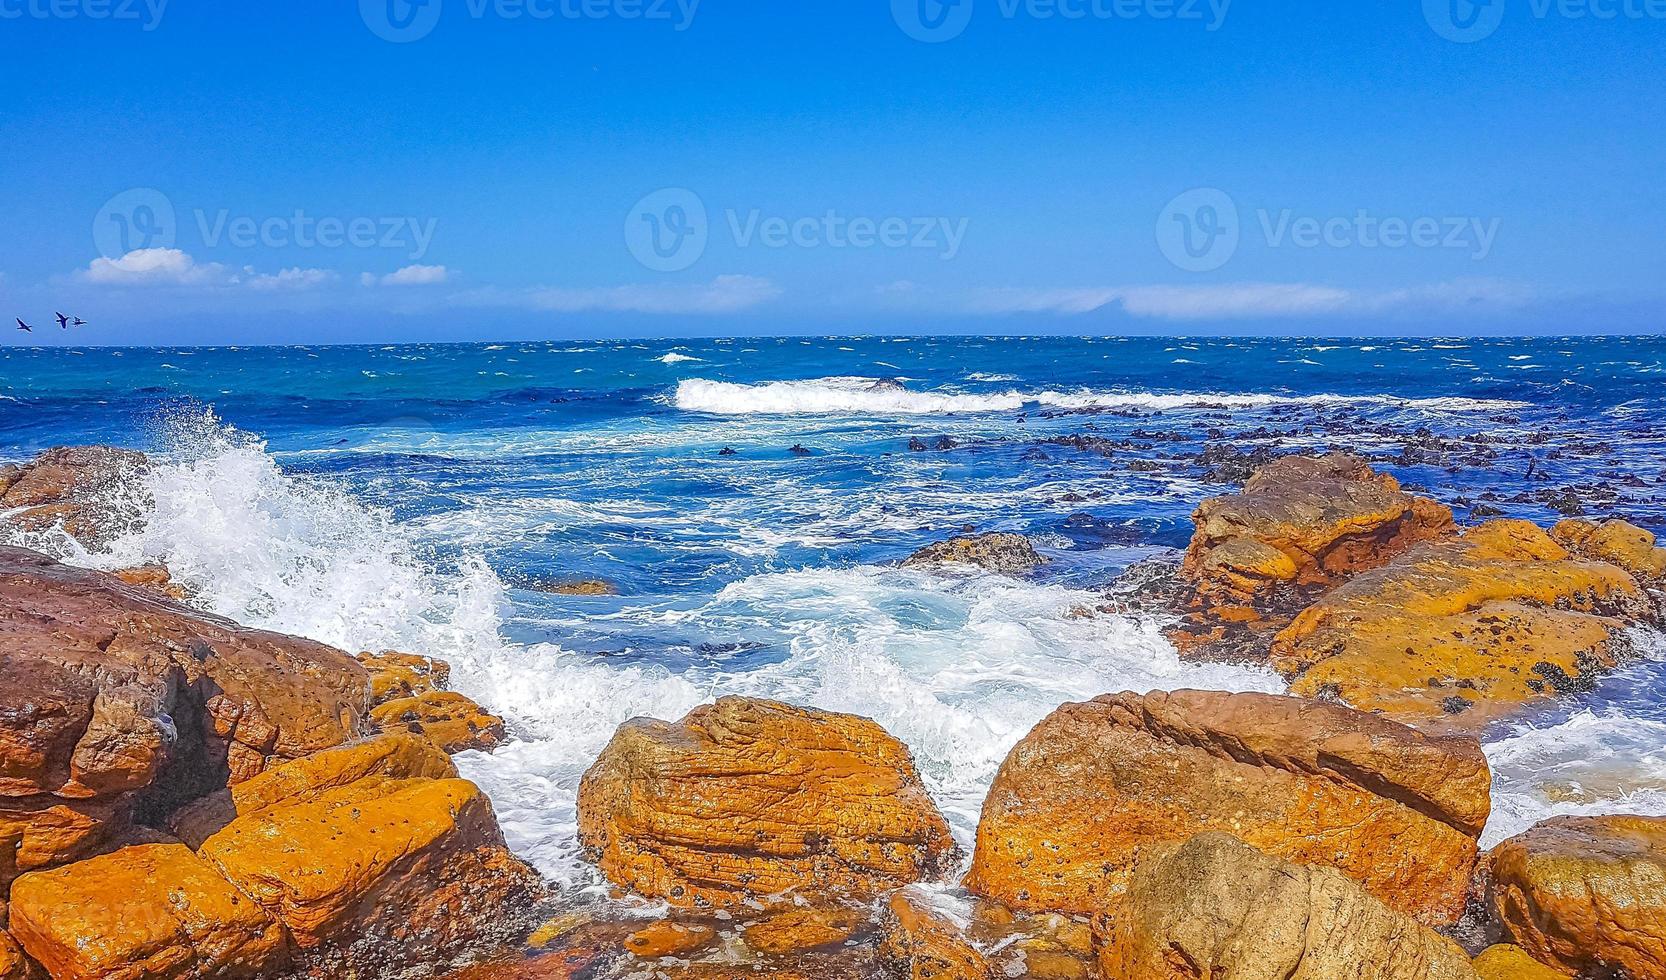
(77, 322)
(63, 321)
(24, 326)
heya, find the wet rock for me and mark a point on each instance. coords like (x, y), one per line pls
(1097, 786)
(1586, 895)
(917, 445)
(1499, 618)
(1008, 554)
(1221, 909)
(728, 451)
(119, 699)
(78, 487)
(1505, 962)
(585, 587)
(921, 943)
(395, 675)
(1302, 525)
(670, 939)
(800, 451)
(800, 929)
(454, 722)
(147, 912)
(745, 799)
(1224, 462)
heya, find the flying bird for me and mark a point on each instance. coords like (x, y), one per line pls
(63, 321)
(24, 326)
(78, 322)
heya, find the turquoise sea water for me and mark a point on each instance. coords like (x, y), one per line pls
(421, 497)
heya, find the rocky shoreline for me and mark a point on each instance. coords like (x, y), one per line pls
(184, 797)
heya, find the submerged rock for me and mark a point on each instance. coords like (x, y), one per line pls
(745, 799)
(1006, 553)
(1097, 786)
(1586, 895)
(1472, 628)
(1220, 909)
(920, 943)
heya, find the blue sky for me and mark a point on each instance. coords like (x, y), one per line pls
(557, 168)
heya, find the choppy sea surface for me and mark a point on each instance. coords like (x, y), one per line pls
(424, 497)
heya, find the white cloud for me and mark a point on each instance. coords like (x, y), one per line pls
(1250, 300)
(173, 267)
(292, 279)
(411, 275)
(725, 294)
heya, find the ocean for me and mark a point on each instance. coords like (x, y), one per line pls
(749, 499)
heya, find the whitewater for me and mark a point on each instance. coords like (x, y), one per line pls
(293, 492)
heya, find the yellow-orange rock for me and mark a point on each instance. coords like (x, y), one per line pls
(746, 798)
(1097, 786)
(800, 929)
(14, 963)
(922, 943)
(395, 675)
(1301, 525)
(1461, 632)
(1616, 542)
(670, 939)
(454, 723)
(157, 578)
(1219, 909)
(1505, 962)
(395, 756)
(42, 831)
(155, 912)
(1586, 895)
(377, 865)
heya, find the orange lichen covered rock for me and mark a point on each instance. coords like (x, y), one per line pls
(922, 943)
(1616, 542)
(747, 798)
(157, 578)
(116, 696)
(1505, 962)
(453, 722)
(395, 675)
(1220, 909)
(670, 939)
(1474, 627)
(799, 929)
(394, 756)
(155, 912)
(379, 862)
(1097, 786)
(14, 963)
(1300, 525)
(1586, 895)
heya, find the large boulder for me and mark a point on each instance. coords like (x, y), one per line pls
(145, 913)
(1460, 632)
(14, 963)
(83, 489)
(1097, 786)
(746, 798)
(1300, 526)
(1616, 542)
(118, 700)
(1506, 962)
(1004, 552)
(1586, 895)
(1219, 909)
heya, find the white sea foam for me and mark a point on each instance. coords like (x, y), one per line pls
(676, 358)
(1590, 764)
(872, 396)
